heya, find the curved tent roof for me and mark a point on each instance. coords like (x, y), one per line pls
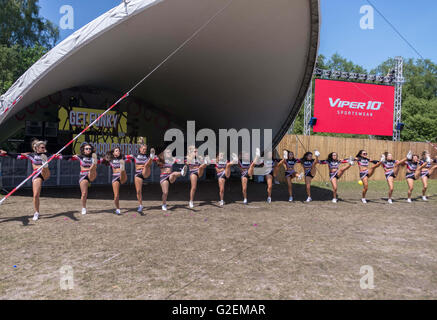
(249, 68)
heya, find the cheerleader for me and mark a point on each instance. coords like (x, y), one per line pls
(223, 171)
(335, 172)
(88, 170)
(414, 170)
(246, 169)
(309, 167)
(38, 157)
(116, 161)
(426, 172)
(196, 169)
(365, 172)
(270, 167)
(143, 165)
(165, 162)
(391, 169)
(288, 162)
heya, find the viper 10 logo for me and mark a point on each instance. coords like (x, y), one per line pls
(370, 105)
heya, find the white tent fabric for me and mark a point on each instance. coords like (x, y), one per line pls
(67, 47)
(250, 68)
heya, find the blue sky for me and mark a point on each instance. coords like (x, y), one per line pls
(340, 31)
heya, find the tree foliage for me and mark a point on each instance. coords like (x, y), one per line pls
(20, 24)
(24, 38)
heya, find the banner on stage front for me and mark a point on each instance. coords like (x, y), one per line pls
(354, 108)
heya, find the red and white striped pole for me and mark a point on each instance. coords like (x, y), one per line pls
(13, 104)
(37, 171)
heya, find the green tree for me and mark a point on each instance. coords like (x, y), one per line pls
(24, 38)
(14, 61)
(20, 24)
(419, 98)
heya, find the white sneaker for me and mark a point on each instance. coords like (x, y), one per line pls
(191, 204)
(184, 171)
(300, 176)
(117, 211)
(234, 158)
(290, 199)
(382, 158)
(428, 159)
(245, 201)
(152, 154)
(164, 207)
(122, 165)
(35, 216)
(351, 161)
(84, 211)
(363, 200)
(409, 155)
(317, 153)
(269, 199)
(94, 158)
(221, 203)
(285, 155)
(140, 208)
(409, 200)
(276, 181)
(309, 199)
(44, 160)
(334, 200)
(390, 201)
(424, 198)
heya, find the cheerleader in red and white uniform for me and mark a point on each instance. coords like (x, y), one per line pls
(38, 157)
(269, 167)
(288, 162)
(165, 162)
(143, 165)
(309, 167)
(223, 170)
(391, 169)
(196, 167)
(414, 169)
(335, 172)
(365, 172)
(246, 169)
(116, 161)
(426, 171)
(88, 170)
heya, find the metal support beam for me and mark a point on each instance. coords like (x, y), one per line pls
(399, 80)
(308, 110)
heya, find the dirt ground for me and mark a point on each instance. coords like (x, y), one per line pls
(260, 251)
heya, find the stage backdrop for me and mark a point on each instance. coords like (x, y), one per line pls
(355, 108)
